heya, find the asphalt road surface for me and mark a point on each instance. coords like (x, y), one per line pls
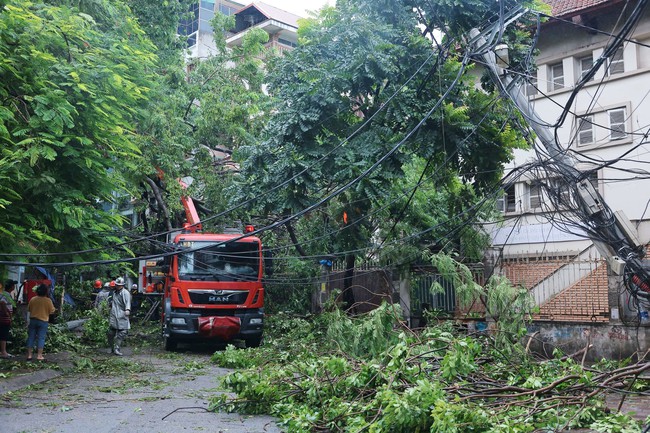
(155, 392)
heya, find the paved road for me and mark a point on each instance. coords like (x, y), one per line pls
(171, 396)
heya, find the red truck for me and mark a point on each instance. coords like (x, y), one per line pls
(213, 286)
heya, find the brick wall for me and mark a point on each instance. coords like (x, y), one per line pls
(528, 272)
(584, 301)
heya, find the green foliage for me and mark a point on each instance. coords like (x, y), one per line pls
(95, 328)
(190, 367)
(59, 338)
(71, 88)
(509, 306)
(324, 375)
(369, 336)
(616, 423)
(350, 67)
(109, 366)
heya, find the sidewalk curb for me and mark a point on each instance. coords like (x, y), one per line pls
(28, 379)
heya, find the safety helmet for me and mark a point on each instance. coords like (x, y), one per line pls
(112, 284)
(107, 285)
(119, 281)
(98, 284)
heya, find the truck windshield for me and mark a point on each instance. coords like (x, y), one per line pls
(234, 261)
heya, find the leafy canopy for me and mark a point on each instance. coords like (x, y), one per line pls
(71, 86)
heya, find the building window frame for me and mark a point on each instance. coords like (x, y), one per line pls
(556, 71)
(617, 118)
(535, 197)
(585, 134)
(507, 202)
(616, 63)
(585, 64)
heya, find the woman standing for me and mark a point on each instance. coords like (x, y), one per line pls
(40, 307)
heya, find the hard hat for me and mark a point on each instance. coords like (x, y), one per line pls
(98, 284)
(107, 285)
(112, 284)
(134, 287)
(119, 281)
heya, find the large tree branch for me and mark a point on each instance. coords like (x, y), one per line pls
(161, 203)
(294, 239)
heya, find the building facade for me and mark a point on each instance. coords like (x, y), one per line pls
(281, 26)
(606, 131)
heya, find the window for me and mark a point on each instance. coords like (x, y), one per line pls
(560, 193)
(227, 10)
(205, 18)
(585, 130)
(616, 63)
(188, 27)
(507, 202)
(617, 129)
(557, 76)
(287, 43)
(586, 63)
(535, 195)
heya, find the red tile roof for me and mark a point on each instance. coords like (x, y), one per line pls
(573, 7)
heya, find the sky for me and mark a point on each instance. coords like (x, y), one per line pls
(298, 7)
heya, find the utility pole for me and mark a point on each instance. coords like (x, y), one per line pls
(615, 239)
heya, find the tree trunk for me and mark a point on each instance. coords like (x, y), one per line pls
(294, 239)
(161, 203)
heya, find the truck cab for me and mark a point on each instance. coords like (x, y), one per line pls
(214, 290)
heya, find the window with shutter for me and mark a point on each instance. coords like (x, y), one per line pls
(585, 130)
(586, 63)
(617, 124)
(557, 76)
(535, 196)
(507, 202)
(616, 63)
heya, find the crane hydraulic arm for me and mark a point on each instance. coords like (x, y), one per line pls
(193, 220)
(611, 233)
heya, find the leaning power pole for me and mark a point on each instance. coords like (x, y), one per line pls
(610, 231)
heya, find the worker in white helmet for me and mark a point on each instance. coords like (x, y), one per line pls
(118, 320)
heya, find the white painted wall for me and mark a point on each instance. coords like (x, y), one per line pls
(621, 190)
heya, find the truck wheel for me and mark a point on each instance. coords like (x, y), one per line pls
(170, 344)
(254, 341)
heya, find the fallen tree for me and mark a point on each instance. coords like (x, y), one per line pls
(372, 373)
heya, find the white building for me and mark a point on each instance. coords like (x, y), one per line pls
(609, 120)
(281, 26)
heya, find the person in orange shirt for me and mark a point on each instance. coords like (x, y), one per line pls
(40, 307)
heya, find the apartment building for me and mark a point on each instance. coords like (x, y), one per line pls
(282, 26)
(609, 120)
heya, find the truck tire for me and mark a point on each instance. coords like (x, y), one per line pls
(253, 341)
(170, 344)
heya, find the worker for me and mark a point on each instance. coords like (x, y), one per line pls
(103, 294)
(118, 320)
